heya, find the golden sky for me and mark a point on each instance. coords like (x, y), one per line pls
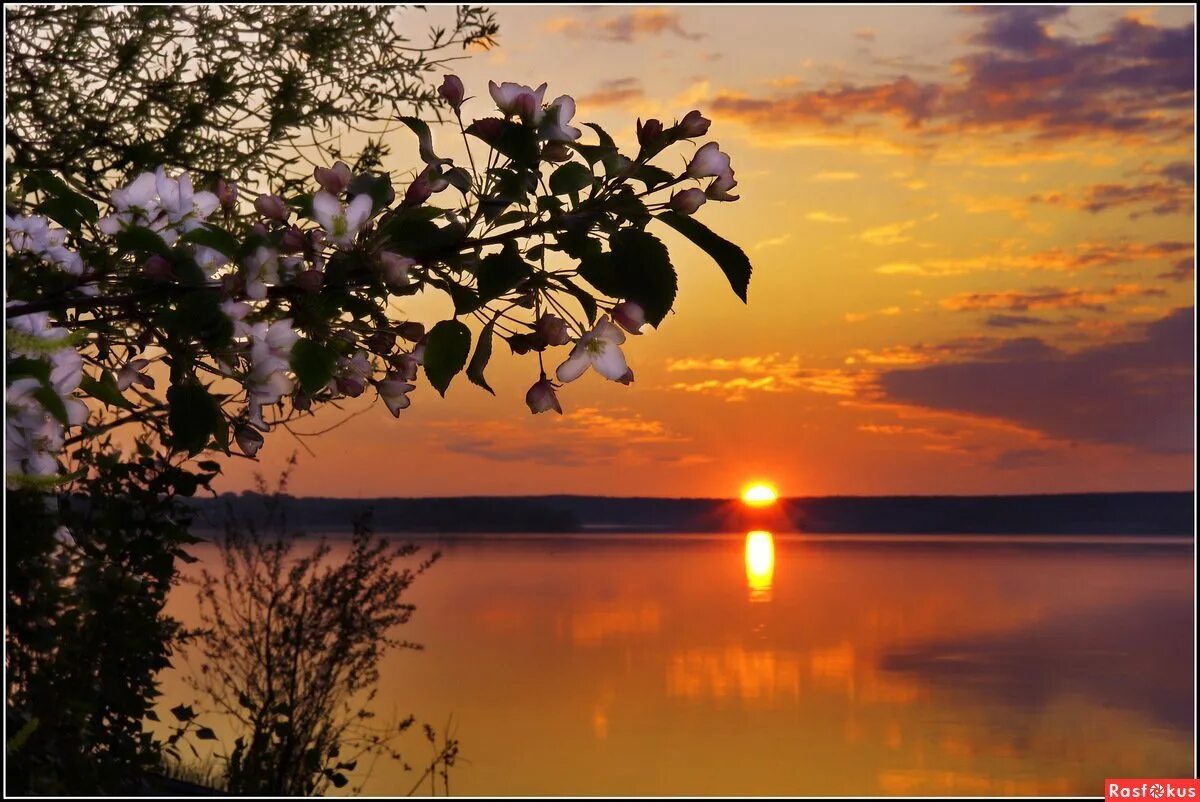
(972, 238)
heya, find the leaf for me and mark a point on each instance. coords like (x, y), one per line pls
(193, 416)
(446, 349)
(500, 272)
(479, 360)
(644, 272)
(730, 258)
(597, 270)
(652, 176)
(141, 239)
(313, 364)
(198, 315)
(206, 734)
(509, 138)
(23, 367)
(583, 296)
(52, 403)
(425, 139)
(105, 389)
(376, 185)
(571, 177)
(338, 779)
(183, 712)
(216, 238)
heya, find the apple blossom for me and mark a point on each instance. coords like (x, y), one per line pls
(708, 161)
(688, 201)
(554, 125)
(648, 132)
(249, 440)
(541, 397)
(271, 207)
(629, 316)
(406, 367)
(508, 97)
(227, 193)
(341, 223)
(452, 91)
(552, 329)
(395, 268)
(393, 391)
(131, 373)
(261, 268)
(334, 179)
(185, 208)
(693, 125)
(718, 189)
(599, 349)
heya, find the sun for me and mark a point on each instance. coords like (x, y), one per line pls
(759, 494)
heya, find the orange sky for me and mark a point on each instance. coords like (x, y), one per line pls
(972, 239)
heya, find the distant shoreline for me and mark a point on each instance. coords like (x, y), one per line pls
(1134, 514)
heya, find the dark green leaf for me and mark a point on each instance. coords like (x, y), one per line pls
(313, 364)
(206, 734)
(644, 272)
(183, 712)
(216, 238)
(570, 177)
(425, 140)
(652, 176)
(446, 349)
(479, 360)
(585, 298)
(52, 403)
(105, 389)
(509, 138)
(193, 416)
(23, 367)
(377, 185)
(501, 272)
(141, 240)
(730, 258)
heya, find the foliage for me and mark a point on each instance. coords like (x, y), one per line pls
(102, 92)
(87, 576)
(291, 638)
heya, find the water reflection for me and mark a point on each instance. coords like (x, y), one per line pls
(642, 665)
(760, 565)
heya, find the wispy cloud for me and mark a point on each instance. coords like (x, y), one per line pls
(614, 93)
(1042, 298)
(626, 27)
(1083, 256)
(826, 217)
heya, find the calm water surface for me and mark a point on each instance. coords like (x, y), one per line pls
(752, 664)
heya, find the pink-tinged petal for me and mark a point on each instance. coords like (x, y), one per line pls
(204, 204)
(574, 367)
(609, 362)
(605, 330)
(326, 209)
(358, 212)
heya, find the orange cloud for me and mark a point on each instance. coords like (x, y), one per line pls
(1046, 298)
(627, 27)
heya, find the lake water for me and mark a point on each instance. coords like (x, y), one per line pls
(751, 664)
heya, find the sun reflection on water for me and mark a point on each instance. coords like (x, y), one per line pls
(760, 564)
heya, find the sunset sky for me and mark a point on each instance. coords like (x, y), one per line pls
(971, 231)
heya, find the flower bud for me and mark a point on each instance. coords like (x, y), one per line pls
(292, 241)
(334, 180)
(395, 268)
(310, 281)
(418, 191)
(522, 343)
(629, 316)
(381, 342)
(626, 378)
(452, 91)
(709, 161)
(648, 132)
(227, 193)
(158, 268)
(351, 386)
(541, 398)
(249, 440)
(552, 330)
(271, 207)
(301, 402)
(693, 125)
(688, 201)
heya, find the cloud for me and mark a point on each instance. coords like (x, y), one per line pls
(1005, 321)
(826, 217)
(614, 93)
(627, 27)
(761, 374)
(1046, 298)
(1136, 393)
(772, 242)
(1082, 256)
(1183, 270)
(1132, 80)
(579, 438)
(1174, 195)
(835, 175)
(890, 234)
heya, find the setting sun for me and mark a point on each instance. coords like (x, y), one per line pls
(759, 494)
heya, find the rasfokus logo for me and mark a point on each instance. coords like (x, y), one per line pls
(1151, 789)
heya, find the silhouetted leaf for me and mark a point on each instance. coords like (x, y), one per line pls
(479, 360)
(730, 258)
(313, 364)
(193, 416)
(446, 349)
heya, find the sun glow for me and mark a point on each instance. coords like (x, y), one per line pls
(759, 494)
